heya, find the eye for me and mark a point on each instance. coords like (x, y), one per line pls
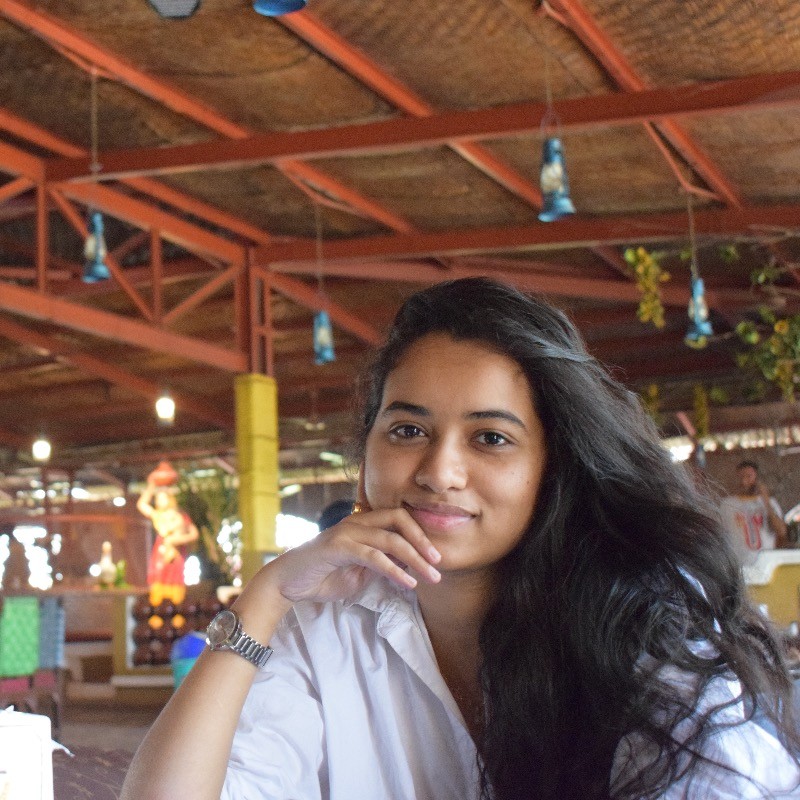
(492, 439)
(405, 431)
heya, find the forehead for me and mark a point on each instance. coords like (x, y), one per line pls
(440, 367)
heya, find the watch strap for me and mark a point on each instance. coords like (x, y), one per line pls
(249, 648)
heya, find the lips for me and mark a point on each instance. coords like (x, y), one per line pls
(438, 517)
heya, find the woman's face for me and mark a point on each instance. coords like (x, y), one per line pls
(458, 443)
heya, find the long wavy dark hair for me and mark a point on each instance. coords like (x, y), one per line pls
(623, 570)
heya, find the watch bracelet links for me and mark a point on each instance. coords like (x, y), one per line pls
(249, 648)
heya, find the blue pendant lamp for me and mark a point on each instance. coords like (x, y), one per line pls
(277, 8)
(556, 202)
(94, 251)
(323, 338)
(699, 326)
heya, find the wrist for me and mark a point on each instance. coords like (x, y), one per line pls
(261, 606)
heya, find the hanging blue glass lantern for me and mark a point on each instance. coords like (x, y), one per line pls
(323, 338)
(94, 251)
(276, 8)
(553, 182)
(699, 326)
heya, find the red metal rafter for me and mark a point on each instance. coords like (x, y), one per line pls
(34, 305)
(113, 374)
(773, 91)
(310, 298)
(598, 42)
(56, 33)
(15, 188)
(132, 243)
(142, 215)
(18, 162)
(79, 224)
(314, 32)
(572, 232)
(202, 294)
(23, 248)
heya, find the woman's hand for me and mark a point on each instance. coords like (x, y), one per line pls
(340, 561)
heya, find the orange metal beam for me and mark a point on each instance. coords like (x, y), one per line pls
(314, 32)
(310, 298)
(108, 372)
(114, 267)
(185, 234)
(15, 188)
(55, 32)
(357, 201)
(29, 132)
(34, 305)
(776, 90)
(572, 232)
(62, 37)
(25, 249)
(202, 294)
(133, 242)
(18, 162)
(596, 40)
(199, 209)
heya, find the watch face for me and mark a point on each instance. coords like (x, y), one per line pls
(221, 628)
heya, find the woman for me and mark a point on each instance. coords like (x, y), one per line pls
(530, 602)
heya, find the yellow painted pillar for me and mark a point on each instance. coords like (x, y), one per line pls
(257, 448)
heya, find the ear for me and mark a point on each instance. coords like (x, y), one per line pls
(361, 492)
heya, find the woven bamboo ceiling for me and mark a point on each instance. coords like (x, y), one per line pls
(254, 170)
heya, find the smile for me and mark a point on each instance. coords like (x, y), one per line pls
(438, 517)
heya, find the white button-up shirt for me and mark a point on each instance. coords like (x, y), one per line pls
(352, 706)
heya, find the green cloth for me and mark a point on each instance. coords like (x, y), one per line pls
(19, 636)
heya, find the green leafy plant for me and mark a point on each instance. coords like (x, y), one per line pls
(772, 347)
(649, 276)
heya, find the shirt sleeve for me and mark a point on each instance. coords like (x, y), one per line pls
(278, 751)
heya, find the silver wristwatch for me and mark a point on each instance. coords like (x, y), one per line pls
(225, 632)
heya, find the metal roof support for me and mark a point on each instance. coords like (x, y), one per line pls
(312, 31)
(35, 305)
(310, 298)
(597, 41)
(113, 374)
(59, 36)
(201, 294)
(14, 188)
(117, 272)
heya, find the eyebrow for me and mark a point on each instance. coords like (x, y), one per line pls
(421, 411)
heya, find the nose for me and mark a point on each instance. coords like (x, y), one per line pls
(442, 467)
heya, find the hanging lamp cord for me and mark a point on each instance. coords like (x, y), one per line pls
(692, 240)
(93, 118)
(318, 246)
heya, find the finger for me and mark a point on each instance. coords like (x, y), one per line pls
(400, 521)
(398, 549)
